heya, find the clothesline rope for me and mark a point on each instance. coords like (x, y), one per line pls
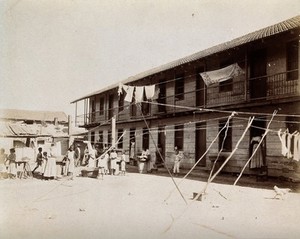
(219, 111)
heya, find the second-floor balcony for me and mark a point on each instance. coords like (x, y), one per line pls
(259, 89)
(237, 91)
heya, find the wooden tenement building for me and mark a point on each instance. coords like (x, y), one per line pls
(253, 75)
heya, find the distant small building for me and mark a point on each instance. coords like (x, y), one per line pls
(33, 129)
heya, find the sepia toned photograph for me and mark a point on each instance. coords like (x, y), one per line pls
(165, 119)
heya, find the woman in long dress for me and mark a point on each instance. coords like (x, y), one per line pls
(258, 159)
(50, 166)
(71, 162)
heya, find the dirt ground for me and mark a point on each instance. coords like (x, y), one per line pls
(142, 206)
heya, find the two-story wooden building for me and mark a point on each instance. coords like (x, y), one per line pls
(253, 75)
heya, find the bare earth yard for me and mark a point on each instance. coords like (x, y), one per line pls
(135, 206)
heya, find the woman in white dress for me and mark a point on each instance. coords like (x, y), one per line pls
(71, 162)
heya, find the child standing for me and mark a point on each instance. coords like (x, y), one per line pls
(102, 162)
(123, 163)
(177, 159)
(39, 160)
(71, 162)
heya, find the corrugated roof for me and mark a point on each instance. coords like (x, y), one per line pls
(286, 25)
(35, 130)
(12, 114)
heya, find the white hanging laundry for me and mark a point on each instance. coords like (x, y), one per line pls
(139, 94)
(296, 153)
(150, 91)
(129, 92)
(282, 138)
(156, 93)
(289, 141)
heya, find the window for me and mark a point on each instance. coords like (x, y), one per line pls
(133, 109)
(178, 139)
(132, 143)
(109, 138)
(121, 102)
(145, 107)
(162, 96)
(93, 105)
(120, 143)
(132, 135)
(225, 138)
(179, 87)
(101, 109)
(111, 106)
(292, 59)
(145, 138)
(93, 137)
(100, 140)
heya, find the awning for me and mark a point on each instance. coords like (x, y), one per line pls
(226, 73)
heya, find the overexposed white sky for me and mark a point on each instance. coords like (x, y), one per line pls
(55, 51)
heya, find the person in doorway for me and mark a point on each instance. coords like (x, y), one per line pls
(177, 159)
(258, 158)
(39, 160)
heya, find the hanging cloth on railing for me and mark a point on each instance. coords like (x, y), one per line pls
(226, 73)
(129, 92)
(139, 93)
(149, 91)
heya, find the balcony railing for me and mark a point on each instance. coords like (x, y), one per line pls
(277, 86)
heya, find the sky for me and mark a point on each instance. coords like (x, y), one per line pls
(55, 51)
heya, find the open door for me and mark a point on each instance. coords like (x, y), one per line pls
(258, 72)
(161, 146)
(200, 143)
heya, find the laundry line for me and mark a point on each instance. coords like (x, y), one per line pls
(218, 111)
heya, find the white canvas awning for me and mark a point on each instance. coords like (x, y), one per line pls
(226, 73)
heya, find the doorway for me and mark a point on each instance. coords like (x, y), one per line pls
(162, 97)
(200, 88)
(200, 143)
(257, 130)
(161, 146)
(258, 72)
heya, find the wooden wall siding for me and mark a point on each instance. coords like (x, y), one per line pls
(125, 114)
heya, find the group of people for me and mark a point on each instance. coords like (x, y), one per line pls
(107, 161)
(145, 160)
(46, 163)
